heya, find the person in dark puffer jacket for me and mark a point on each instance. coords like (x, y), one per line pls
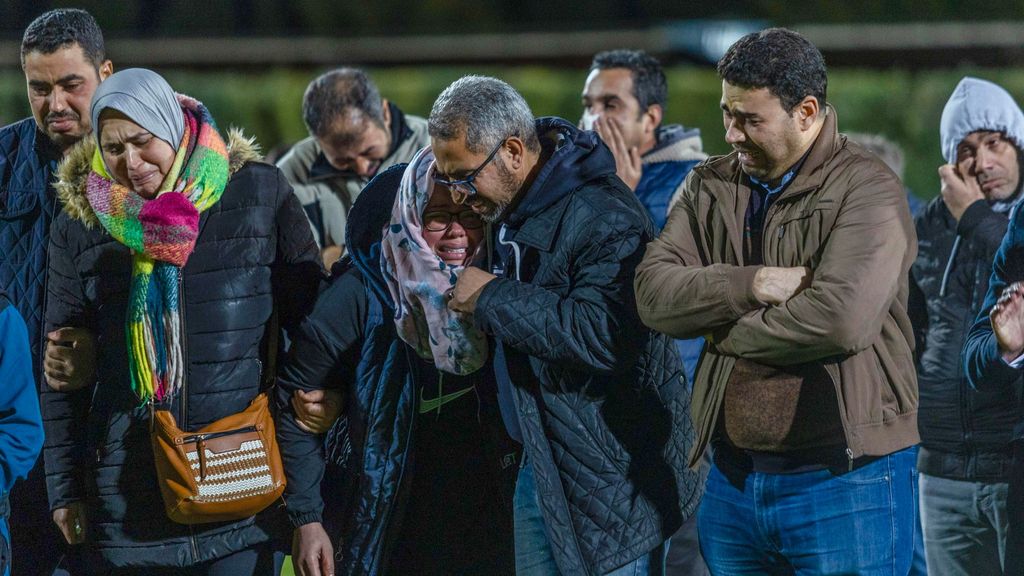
(253, 255)
(598, 400)
(965, 457)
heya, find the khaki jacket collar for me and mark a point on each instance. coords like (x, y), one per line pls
(734, 192)
(811, 175)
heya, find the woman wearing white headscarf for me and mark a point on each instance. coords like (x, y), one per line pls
(174, 248)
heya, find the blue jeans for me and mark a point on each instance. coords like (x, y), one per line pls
(860, 522)
(534, 556)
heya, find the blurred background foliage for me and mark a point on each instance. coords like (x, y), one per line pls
(883, 96)
(904, 106)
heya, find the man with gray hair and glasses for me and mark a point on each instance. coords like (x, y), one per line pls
(598, 400)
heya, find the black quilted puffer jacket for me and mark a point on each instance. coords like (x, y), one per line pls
(255, 252)
(27, 206)
(600, 399)
(965, 431)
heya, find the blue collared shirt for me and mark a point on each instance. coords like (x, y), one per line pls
(761, 197)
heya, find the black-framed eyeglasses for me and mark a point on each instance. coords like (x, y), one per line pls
(442, 221)
(465, 185)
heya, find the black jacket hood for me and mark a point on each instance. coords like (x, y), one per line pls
(370, 213)
(571, 158)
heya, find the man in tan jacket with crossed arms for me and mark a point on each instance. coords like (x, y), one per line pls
(790, 256)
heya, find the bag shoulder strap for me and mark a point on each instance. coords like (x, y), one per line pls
(273, 341)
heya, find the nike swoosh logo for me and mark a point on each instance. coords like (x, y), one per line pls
(436, 403)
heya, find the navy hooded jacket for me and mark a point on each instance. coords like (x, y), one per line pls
(983, 364)
(349, 340)
(600, 399)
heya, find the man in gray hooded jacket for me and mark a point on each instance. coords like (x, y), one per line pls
(965, 453)
(353, 134)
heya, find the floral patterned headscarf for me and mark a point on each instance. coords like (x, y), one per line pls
(418, 280)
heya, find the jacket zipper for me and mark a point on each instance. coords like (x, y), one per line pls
(200, 441)
(391, 530)
(966, 400)
(835, 381)
(213, 435)
(184, 388)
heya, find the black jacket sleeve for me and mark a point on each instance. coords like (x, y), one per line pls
(324, 354)
(64, 413)
(983, 228)
(298, 270)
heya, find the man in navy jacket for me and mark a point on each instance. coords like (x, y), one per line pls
(62, 55)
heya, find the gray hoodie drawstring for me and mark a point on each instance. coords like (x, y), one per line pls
(949, 266)
(515, 247)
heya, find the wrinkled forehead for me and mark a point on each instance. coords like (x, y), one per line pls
(349, 138)
(749, 100)
(67, 60)
(115, 125)
(975, 140)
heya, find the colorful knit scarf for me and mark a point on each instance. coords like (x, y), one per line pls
(161, 234)
(418, 280)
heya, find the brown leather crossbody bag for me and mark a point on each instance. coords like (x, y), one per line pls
(229, 470)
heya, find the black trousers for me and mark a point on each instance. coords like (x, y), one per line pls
(37, 546)
(263, 560)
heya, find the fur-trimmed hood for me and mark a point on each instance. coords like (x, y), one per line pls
(74, 169)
